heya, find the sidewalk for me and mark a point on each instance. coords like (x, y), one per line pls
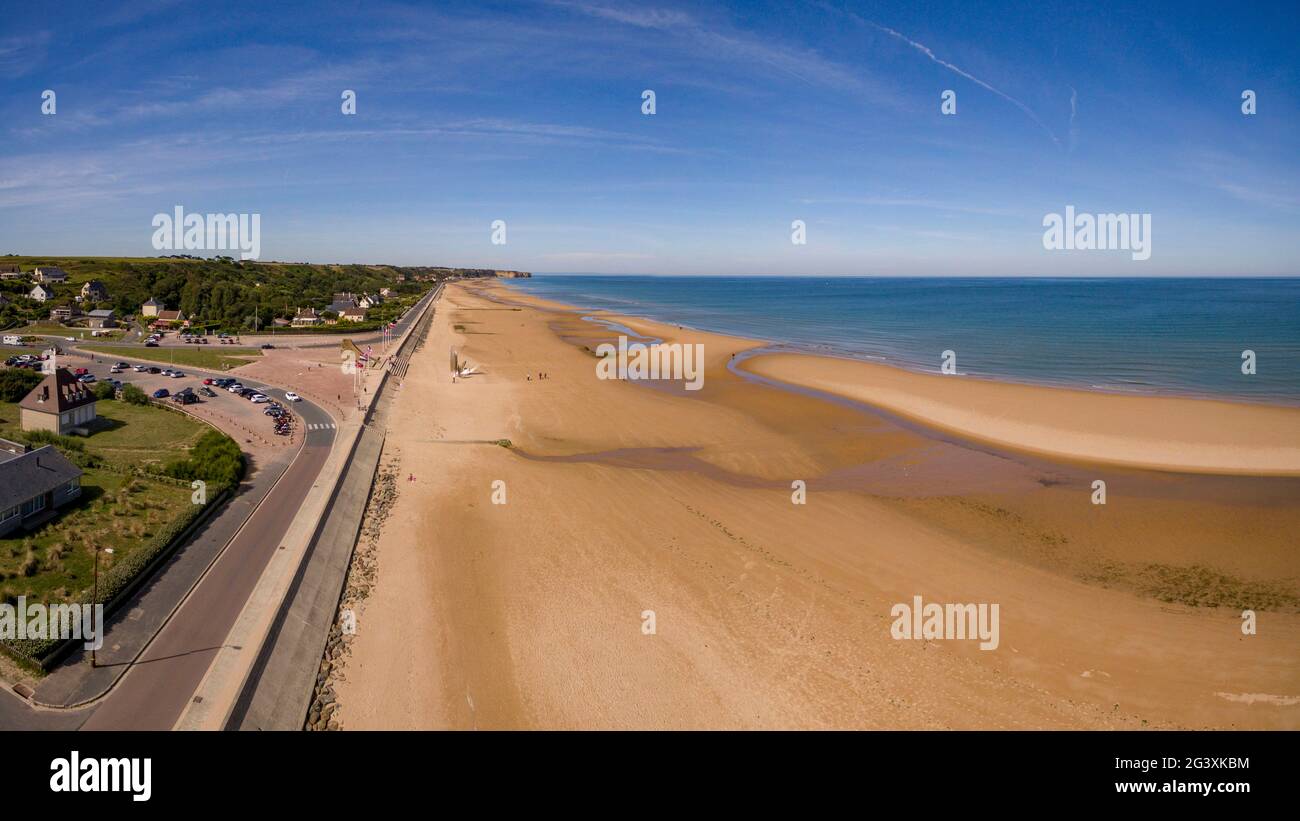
(73, 682)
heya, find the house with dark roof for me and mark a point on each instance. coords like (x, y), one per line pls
(341, 303)
(151, 308)
(102, 318)
(94, 291)
(33, 483)
(353, 315)
(40, 293)
(59, 404)
(49, 274)
(306, 317)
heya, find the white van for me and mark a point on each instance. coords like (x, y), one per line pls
(13, 339)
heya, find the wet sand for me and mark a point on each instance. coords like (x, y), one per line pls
(623, 498)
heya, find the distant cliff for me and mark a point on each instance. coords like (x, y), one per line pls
(428, 274)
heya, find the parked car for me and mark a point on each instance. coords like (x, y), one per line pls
(122, 365)
(185, 398)
(86, 378)
(209, 381)
(267, 346)
(80, 372)
(151, 344)
(115, 369)
(234, 387)
(256, 399)
(155, 369)
(206, 391)
(141, 369)
(177, 374)
(161, 393)
(292, 397)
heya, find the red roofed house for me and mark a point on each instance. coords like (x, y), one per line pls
(166, 319)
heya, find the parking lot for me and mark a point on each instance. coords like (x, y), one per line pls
(244, 420)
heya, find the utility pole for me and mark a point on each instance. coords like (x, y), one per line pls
(94, 598)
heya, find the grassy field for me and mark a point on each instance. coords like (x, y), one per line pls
(133, 436)
(215, 357)
(53, 562)
(62, 332)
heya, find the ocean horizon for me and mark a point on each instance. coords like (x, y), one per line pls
(1158, 335)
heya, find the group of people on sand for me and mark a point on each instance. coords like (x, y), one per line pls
(540, 376)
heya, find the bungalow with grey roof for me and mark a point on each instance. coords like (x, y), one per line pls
(33, 483)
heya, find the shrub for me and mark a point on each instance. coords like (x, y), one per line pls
(15, 383)
(69, 446)
(134, 396)
(215, 458)
(104, 390)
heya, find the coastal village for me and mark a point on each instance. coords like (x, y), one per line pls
(121, 424)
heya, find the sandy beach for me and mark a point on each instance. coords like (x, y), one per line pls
(539, 522)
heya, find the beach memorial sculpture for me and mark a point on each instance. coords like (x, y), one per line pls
(459, 368)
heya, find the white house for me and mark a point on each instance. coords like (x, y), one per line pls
(40, 293)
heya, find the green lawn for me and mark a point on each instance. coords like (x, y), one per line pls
(55, 329)
(213, 356)
(129, 435)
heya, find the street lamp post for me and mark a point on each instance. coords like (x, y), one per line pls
(94, 598)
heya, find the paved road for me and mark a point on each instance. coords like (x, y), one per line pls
(156, 689)
(152, 694)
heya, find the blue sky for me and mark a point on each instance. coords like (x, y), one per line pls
(530, 112)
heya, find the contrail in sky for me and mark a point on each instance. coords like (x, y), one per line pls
(924, 49)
